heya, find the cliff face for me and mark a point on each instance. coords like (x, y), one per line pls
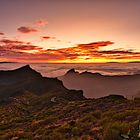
(25, 79)
(96, 85)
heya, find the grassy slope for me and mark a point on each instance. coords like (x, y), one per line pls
(34, 117)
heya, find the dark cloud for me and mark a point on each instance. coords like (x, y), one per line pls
(1, 33)
(16, 45)
(47, 37)
(12, 42)
(26, 47)
(26, 30)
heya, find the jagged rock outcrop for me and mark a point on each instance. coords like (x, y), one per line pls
(71, 71)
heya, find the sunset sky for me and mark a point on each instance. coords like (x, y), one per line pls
(70, 31)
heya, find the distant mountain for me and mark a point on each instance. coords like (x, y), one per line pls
(25, 79)
(96, 85)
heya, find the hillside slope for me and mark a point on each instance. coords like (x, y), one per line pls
(32, 117)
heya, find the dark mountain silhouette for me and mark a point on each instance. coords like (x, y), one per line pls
(97, 85)
(16, 82)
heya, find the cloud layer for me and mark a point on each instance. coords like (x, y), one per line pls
(15, 50)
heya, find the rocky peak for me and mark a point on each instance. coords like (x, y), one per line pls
(71, 71)
(23, 71)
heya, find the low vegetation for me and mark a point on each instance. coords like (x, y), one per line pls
(32, 117)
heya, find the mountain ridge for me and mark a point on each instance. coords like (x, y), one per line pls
(16, 82)
(97, 85)
(98, 74)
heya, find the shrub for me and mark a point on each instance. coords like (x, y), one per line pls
(114, 130)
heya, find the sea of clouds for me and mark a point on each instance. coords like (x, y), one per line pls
(55, 70)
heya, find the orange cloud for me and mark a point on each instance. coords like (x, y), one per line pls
(26, 30)
(22, 51)
(95, 45)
